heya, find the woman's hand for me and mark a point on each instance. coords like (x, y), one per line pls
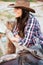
(16, 38)
(10, 36)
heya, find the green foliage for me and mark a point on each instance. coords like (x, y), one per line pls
(15, 0)
(1, 53)
(31, 0)
(9, 0)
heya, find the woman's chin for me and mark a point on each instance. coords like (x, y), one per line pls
(17, 16)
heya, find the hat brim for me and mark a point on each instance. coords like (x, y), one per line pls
(28, 9)
(22, 7)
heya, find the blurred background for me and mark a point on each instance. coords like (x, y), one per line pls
(14, 0)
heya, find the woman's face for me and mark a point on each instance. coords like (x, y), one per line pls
(18, 12)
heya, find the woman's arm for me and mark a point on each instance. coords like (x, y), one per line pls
(10, 35)
(38, 33)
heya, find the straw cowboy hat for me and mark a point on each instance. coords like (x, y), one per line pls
(22, 4)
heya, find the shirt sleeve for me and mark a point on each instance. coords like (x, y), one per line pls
(37, 32)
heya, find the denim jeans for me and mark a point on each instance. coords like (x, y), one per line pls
(29, 59)
(40, 62)
(12, 62)
(24, 60)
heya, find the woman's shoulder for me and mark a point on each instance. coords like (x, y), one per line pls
(32, 20)
(31, 16)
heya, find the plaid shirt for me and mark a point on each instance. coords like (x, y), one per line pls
(32, 32)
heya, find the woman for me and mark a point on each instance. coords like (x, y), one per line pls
(27, 30)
